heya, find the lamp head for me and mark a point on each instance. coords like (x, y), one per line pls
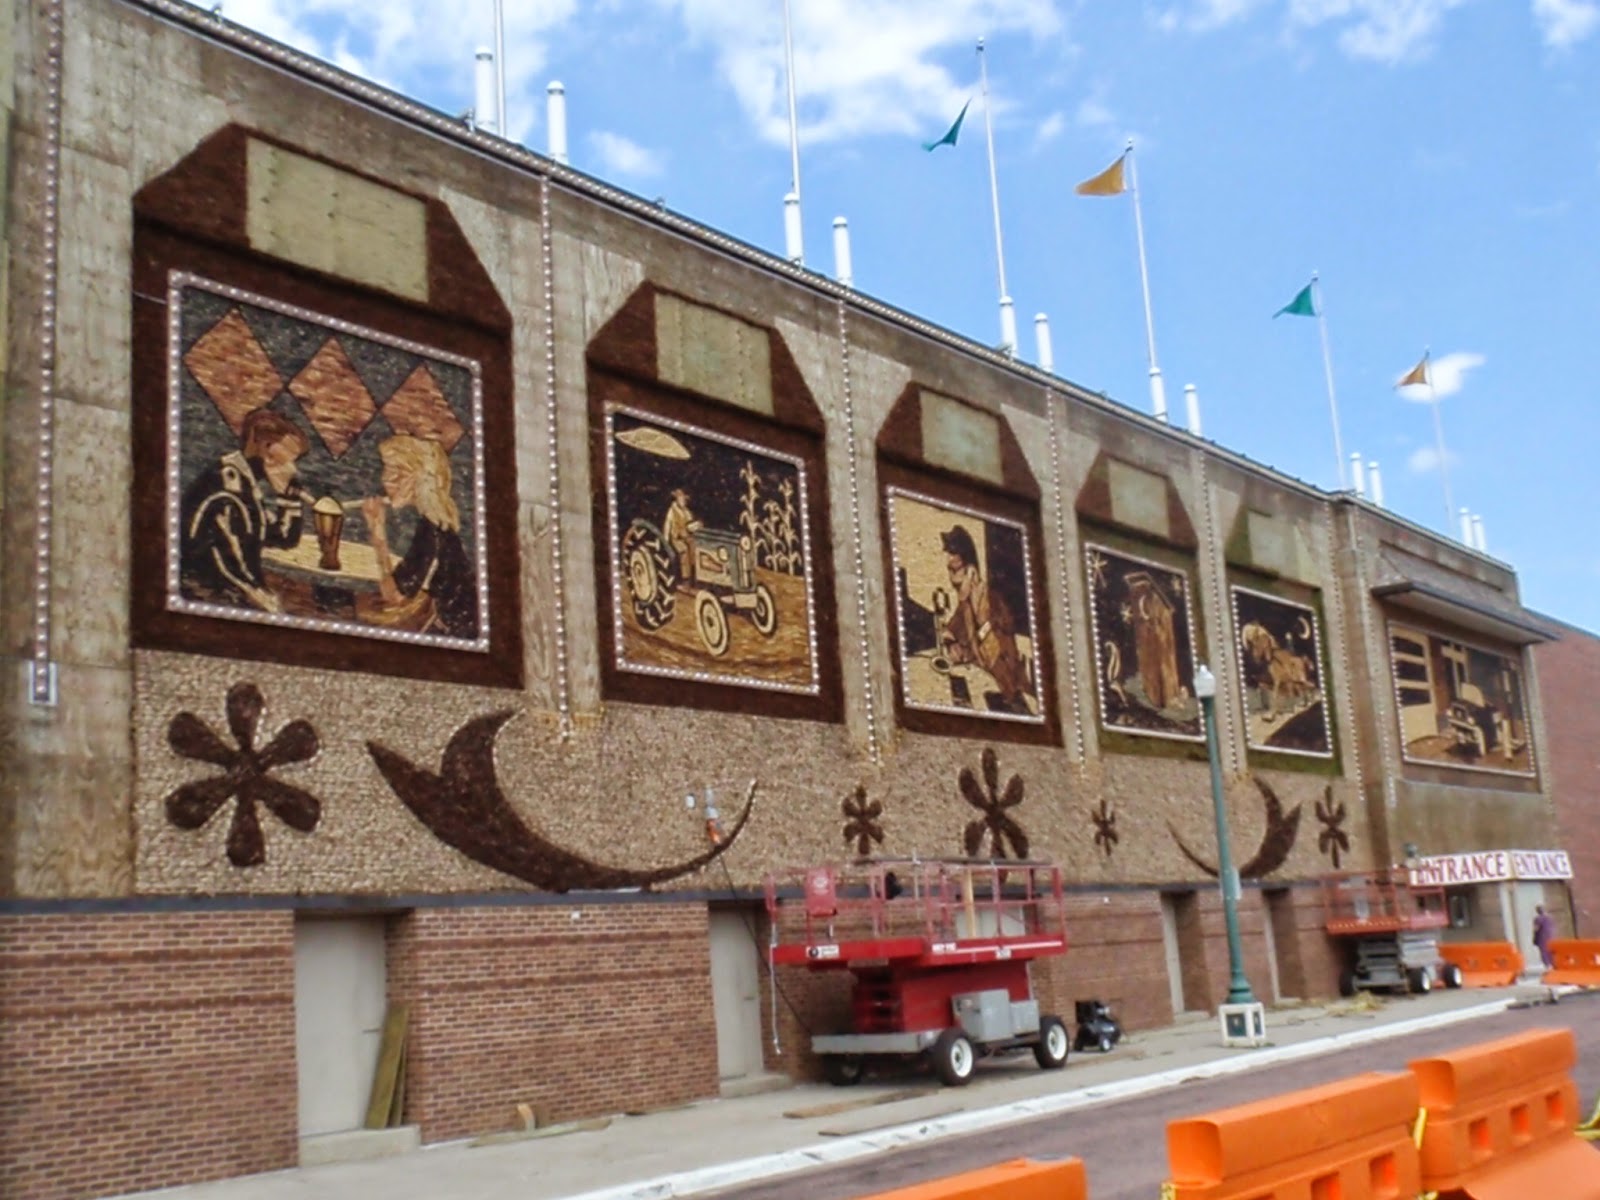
(1205, 683)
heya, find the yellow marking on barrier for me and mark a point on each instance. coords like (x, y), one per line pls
(1169, 1191)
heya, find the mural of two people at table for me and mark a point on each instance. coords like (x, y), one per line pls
(964, 603)
(709, 544)
(1280, 664)
(1459, 705)
(322, 474)
(1144, 645)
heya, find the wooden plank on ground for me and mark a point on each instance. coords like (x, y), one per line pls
(387, 1096)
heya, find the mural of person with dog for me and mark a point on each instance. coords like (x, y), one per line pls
(435, 566)
(1280, 664)
(980, 628)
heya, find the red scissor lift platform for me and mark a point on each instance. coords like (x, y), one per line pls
(939, 951)
(1391, 925)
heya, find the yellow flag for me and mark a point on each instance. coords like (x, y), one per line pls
(1417, 374)
(1108, 183)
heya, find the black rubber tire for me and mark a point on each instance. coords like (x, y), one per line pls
(1419, 981)
(1105, 1043)
(712, 623)
(1450, 975)
(953, 1058)
(843, 1070)
(764, 614)
(650, 565)
(1083, 1039)
(1347, 983)
(1050, 1051)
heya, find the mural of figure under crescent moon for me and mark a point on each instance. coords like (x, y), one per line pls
(1143, 627)
(1281, 665)
(463, 806)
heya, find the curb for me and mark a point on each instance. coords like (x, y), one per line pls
(840, 1150)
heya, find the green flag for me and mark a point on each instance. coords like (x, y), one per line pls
(1301, 306)
(949, 139)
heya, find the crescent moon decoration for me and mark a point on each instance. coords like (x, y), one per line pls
(1304, 628)
(654, 441)
(464, 807)
(1282, 830)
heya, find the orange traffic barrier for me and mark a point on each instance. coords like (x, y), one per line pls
(1577, 962)
(1484, 964)
(1019, 1179)
(1350, 1139)
(1500, 1121)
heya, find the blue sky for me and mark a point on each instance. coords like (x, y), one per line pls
(1437, 161)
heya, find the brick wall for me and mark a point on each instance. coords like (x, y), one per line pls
(1569, 680)
(1309, 961)
(143, 1050)
(577, 1011)
(1115, 954)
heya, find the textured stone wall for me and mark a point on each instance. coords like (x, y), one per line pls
(141, 1051)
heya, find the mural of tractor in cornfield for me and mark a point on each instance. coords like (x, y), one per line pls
(715, 567)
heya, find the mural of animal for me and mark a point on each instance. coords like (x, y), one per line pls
(1287, 674)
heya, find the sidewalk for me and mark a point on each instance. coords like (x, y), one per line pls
(721, 1143)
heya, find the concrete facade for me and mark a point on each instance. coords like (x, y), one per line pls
(330, 205)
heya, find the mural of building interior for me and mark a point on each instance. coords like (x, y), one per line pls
(472, 582)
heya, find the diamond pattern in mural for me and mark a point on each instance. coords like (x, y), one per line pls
(419, 408)
(333, 398)
(234, 370)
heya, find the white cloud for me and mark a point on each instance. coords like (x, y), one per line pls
(861, 66)
(1447, 373)
(1565, 23)
(1385, 31)
(1425, 460)
(1094, 113)
(622, 156)
(1050, 128)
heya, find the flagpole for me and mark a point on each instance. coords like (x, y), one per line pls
(1327, 370)
(1158, 391)
(500, 67)
(797, 250)
(1438, 432)
(1008, 319)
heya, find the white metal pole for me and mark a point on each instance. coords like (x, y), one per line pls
(556, 119)
(1008, 319)
(1191, 400)
(797, 249)
(1478, 540)
(1438, 432)
(500, 67)
(1041, 335)
(791, 228)
(842, 270)
(1374, 482)
(1158, 390)
(483, 92)
(1358, 479)
(1466, 527)
(1327, 370)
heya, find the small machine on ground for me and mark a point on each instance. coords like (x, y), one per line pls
(939, 955)
(1389, 926)
(1098, 1029)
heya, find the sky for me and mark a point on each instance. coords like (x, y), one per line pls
(1435, 162)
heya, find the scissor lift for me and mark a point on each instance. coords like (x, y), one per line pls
(1390, 925)
(939, 951)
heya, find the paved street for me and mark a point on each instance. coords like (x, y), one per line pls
(1123, 1144)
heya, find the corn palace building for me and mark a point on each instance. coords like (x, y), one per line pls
(435, 582)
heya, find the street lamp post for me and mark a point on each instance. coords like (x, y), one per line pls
(1205, 689)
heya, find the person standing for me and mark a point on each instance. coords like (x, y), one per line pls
(1544, 929)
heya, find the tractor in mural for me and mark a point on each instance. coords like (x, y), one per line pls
(716, 569)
